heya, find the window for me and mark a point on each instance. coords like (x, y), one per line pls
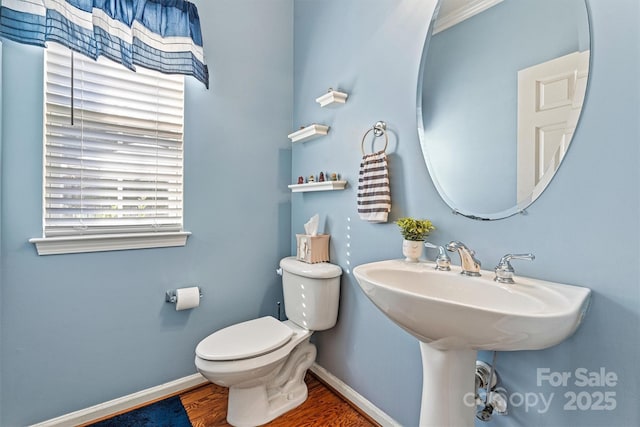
(113, 156)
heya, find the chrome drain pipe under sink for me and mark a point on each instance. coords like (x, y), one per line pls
(490, 398)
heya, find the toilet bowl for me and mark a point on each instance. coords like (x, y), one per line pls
(264, 361)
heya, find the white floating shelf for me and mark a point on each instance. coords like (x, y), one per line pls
(309, 132)
(318, 186)
(331, 98)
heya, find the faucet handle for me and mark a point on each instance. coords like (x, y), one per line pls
(504, 270)
(443, 262)
(432, 246)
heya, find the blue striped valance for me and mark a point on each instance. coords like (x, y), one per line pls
(162, 35)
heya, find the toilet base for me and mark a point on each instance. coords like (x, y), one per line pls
(257, 405)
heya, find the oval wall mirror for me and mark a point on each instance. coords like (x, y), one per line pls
(500, 92)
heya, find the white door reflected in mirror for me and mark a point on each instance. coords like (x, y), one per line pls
(550, 97)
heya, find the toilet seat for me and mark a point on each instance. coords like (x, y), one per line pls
(245, 340)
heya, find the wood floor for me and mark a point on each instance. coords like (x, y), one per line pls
(207, 407)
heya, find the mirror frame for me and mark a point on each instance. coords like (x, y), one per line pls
(519, 208)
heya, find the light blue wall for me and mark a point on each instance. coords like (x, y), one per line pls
(100, 320)
(585, 229)
(78, 330)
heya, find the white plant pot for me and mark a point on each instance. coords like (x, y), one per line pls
(412, 250)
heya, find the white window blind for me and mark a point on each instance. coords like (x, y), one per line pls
(115, 164)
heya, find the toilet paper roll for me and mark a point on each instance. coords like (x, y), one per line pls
(187, 298)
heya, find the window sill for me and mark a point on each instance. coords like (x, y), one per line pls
(108, 242)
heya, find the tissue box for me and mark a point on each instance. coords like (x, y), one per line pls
(312, 249)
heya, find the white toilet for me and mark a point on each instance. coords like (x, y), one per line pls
(264, 361)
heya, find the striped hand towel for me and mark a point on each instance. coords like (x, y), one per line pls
(374, 195)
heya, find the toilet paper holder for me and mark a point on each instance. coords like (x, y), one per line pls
(170, 296)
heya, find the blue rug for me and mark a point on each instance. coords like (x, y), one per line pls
(165, 413)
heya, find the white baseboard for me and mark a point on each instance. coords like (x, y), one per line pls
(354, 397)
(124, 403)
(130, 401)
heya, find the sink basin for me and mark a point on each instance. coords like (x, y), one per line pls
(452, 311)
(453, 316)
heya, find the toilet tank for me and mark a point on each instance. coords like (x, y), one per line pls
(311, 293)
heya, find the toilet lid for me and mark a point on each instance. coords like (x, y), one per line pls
(244, 340)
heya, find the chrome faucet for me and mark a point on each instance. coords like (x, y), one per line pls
(504, 270)
(470, 265)
(443, 262)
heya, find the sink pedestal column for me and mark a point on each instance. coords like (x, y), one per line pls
(448, 387)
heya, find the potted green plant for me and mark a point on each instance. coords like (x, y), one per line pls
(414, 231)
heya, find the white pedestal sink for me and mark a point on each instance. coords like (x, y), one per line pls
(454, 316)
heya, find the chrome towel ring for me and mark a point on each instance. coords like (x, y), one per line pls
(379, 129)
